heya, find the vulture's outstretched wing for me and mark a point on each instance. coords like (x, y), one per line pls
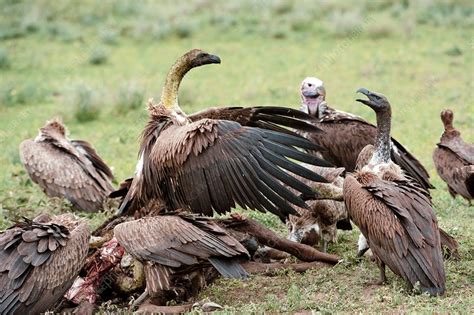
(406, 237)
(182, 240)
(62, 172)
(38, 263)
(210, 165)
(266, 117)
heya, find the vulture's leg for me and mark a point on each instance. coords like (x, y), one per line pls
(383, 277)
(325, 246)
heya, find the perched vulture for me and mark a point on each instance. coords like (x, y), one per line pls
(178, 246)
(345, 135)
(393, 212)
(454, 160)
(218, 158)
(66, 168)
(39, 260)
(321, 220)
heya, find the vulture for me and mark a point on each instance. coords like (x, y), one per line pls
(175, 247)
(69, 169)
(454, 160)
(393, 212)
(205, 163)
(219, 157)
(321, 221)
(39, 260)
(345, 135)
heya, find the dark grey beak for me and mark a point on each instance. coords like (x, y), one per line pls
(214, 59)
(366, 93)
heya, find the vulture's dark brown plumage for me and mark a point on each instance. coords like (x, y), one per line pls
(172, 245)
(39, 260)
(454, 159)
(69, 169)
(345, 135)
(218, 158)
(394, 213)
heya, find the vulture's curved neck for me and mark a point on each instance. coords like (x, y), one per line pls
(382, 142)
(169, 95)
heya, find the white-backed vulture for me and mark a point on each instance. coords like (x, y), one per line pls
(320, 221)
(345, 135)
(393, 212)
(454, 160)
(39, 260)
(208, 162)
(69, 169)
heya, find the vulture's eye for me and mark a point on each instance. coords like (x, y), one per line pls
(310, 85)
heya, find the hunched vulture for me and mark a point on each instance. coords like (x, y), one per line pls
(39, 260)
(69, 169)
(454, 160)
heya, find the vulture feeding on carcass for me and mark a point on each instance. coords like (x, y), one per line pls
(454, 160)
(393, 212)
(176, 247)
(69, 169)
(345, 135)
(319, 223)
(206, 163)
(39, 261)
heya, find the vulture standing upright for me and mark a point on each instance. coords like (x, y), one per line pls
(39, 261)
(66, 168)
(345, 135)
(454, 160)
(393, 212)
(203, 163)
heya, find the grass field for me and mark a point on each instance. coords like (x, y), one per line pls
(94, 63)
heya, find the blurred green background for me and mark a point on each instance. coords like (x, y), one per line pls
(95, 63)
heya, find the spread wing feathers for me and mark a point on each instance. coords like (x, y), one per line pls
(38, 262)
(89, 152)
(266, 117)
(179, 240)
(63, 173)
(410, 165)
(211, 165)
(398, 221)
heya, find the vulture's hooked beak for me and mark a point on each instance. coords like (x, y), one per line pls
(366, 93)
(214, 59)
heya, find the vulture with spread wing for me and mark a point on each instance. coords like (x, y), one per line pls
(39, 260)
(345, 135)
(69, 169)
(220, 157)
(454, 159)
(393, 212)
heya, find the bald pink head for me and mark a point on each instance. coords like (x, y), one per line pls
(312, 95)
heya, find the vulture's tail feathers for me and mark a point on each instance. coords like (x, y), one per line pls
(229, 268)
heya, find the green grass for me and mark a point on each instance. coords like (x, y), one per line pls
(419, 55)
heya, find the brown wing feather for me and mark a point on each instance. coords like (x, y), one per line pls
(89, 152)
(211, 165)
(455, 172)
(32, 280)
(400, 225)
(61, 174)
(345, 135)
(176, 241)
